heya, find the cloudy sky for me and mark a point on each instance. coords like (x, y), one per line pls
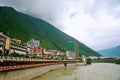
(95, 23)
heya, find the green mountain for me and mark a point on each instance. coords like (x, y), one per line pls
(111, 52)
(24, 27)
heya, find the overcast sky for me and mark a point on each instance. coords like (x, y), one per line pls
(95, 23)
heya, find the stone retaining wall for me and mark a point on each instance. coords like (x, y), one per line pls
(29, 73)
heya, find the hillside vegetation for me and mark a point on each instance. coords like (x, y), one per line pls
(25, 27)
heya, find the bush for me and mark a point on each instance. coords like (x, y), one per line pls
(14, 55)
(88, 61)
(117, 61)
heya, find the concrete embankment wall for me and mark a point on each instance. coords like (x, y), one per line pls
(27, 74)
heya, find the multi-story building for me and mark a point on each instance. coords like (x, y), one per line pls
(39, 51)
(70, 55)
(8, 45)
(34, 48)
(55, 54)
(2, 42)
(11, 45)
(16, 47)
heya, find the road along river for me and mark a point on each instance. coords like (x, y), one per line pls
(96, 71)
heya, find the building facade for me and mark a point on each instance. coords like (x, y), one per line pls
(34, 48)
(8, 45)
(16, 47)
(2, 42)
(70, 55)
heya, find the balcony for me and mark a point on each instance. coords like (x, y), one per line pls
(1, 43)
(17, 45)
(1, 39)
(18, 48)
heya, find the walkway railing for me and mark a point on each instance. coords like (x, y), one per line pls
(31, 59)
(17, 58)
(10, 63)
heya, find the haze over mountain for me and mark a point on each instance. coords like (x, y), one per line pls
(25, 27)
(111, 51)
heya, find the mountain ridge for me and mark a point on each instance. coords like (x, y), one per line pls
(25, 27)
(112, 52)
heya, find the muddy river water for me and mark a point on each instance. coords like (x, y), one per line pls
(96, 71)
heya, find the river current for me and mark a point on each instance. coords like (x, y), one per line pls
(96, 71)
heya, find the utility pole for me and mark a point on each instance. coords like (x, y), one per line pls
(77, 49)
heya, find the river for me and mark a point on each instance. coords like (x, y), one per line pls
(96, 71)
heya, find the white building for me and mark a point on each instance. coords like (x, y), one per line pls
(83, 58)
(33, 43)
(70, 55)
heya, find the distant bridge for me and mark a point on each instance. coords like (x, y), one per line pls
(11, 63)
(104, 60)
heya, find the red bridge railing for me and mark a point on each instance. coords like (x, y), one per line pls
(10, 63)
